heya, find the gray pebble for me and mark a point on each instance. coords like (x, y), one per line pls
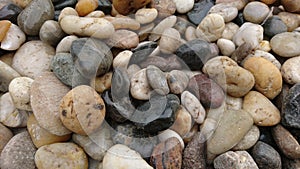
(256, 12)
(51, 32)
(157, 79)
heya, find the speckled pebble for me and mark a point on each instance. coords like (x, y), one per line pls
(165, 8)
(193, 105)
(236, 160)
(290, 113)
(249, 139)
(290, 70)
(166, 134)
(140, 87)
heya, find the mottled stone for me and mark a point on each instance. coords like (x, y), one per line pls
(286, 44)
(193, 105)
(165, 8)
(266, 55)
(140, 87)
(291, 20)
(249, 33)
(290, 109)
(199, 11)
(289, 70)
(5, 136)
(167, 134)
(230, 30)
(250, 12)
(249, 139)
(237, 160)
(123, 39)
(177, 81)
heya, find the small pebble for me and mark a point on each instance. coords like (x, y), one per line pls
(289, 70)
(64, 45)
(51, 33)
(14, 38)
(165, 8)
(4, 27)
(140, 87)
(183, 6)
(291, 20)
(249, 33)
(146, 15)
(122, 59)
(7, 74)
(266, 55)
(103, 83)
(236, 160)
(226, 11)
(178, 81)
(249, 139)
(5, 136)
(273, 26)
(123, 39)
(170, 41)
(199, 11)
(290, 113)
(124, 7)
(161, 27)
(157, 80)
(227, 47)
(84, 7)
(230, 30)
(183, 122)
(286, 44)
(250, 12)
(167, 134)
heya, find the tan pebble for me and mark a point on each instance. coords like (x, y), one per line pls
(103, 83)
(123, 22)
(5, 136)
(124, 7)
(21, 3)
(122, 59)
(266, 55)
(249, 139)
(239, 4)
(268, 2)
(84, 7)
(146, 15)
(264, 46)
(190, 33)
(4, 27)
(96, 14)
(268, 79)
(230, 30)
(290, 70)
(189, 136)
(178, 81)
(123, 39)
(64, 45)
(162, 26)
(140, 87)
(291, 5)
(291, 20)
(183, 123)
(7, 58)
(170, 41)
(165, 8)
(67, 11)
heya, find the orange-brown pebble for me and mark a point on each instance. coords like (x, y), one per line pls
(291, 5)
(268, 2)
(124, 7)
(4, 27)
(84, 7)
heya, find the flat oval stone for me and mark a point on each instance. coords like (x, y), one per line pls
(273, 26)
(157, 80)
(36, 52)
(165, 8)
(268, 79)
(124, 22)
(31, 19)
(157, 31)
(227, 47)
(289, 70)
(170, 40)
(199, 11)
(122, 59)
(7, 74)
(231, 129)
(286, 44)
(62, 155)
(177, 81)
(51, 32)
(238, 160)
(290, 111)
(226, 11)
(183, 122)
(64, 45)
(250, 12)
(249, 139)
(82, 110)
(18, 152)
(249, 33)
(84, 7)
(266, 55)
(10, 12)
(123, 39)
(5, 136)
(146, 15)
(140, 87)
(193, 105)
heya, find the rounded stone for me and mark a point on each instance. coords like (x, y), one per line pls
(170, 40)
(36, 52)
(238, 159)
(84, 7)
(124, 22)
(51, 33)
(266, 55)
(21, 3)
(65, 12)
(45, 103)
(122, 59)
(5, 136)
(289, 70)
(226, 11)
(124, 7)
(166, 23)
(183, 6)
(18, 152)
(10, 12)
(291, 5)
(291, 20)
(165, 8)
(268, 79)
(250, 12)
(103, 83)
(249, 33)
(273, 26)
(177, 81)
(7, 74)
(140, 87)
(233, 103)
(190, 33)
(167, 134)
(61, 155)
(146, 15)
(227, 47)
(193, 106)
(13, 39)
(183, 122)
(64, 45)
(239, 4)
(249, 139)
(123, 39)
(290, 109)
(230, 30)
(157, 80)
(286, 44)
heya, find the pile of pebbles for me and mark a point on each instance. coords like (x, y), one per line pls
(141, 84)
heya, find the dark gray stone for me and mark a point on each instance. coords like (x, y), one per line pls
(199, 11)
(105, 6)
(273, 26)
(64, 3)
(291, 108)
(142, 52)
(10, 12)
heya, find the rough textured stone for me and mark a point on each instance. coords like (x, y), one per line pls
(290, 109)
(236, 160)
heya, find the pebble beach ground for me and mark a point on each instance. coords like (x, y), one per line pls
(149, 84)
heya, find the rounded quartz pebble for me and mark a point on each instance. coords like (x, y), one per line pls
(122, 59)
(13, 39)
(250, 12)
(170, 40)
(19, 89)
(290, 70)
(82, 110)
(36, 52)
(123, 39)
(227, 47)
(226, 11)
(84, 7)
(249, 139)
(5, 136)
(41, 136)
(45, 103)
(140, 87)
(291, 20)
(65, 44)
(51, 33)
(183, 122)
(193, 106)
(7, 74)
(249, 33)
(157, 80)
(166, 23)
(146, 15)
(178, 81)
(273, 26)
(286, 44)
(237, 159)
(230, 30)
(268, 79)
(61, 155)
(183, 6)
(290, 111)
(18, 153)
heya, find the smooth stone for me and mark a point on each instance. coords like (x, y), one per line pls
(31, 19)
(194, 155)
(45, 103)
(249, 139)
(237, 160)
(177, 81)
(249, 33)
(51, 33)
(124, 22)
(120, 84)
(123, 39)
(291, 6)
(121, 156)
(268, 79)
(158, 30)
(199, 11)
(94, 164)
(181, 25)
(170, 41)
(10, 12)
(141, 52)
(226, 134)
(96, 144)
(18, 152)
(190, 33)
(124, 7)
(7, 74)
(273, 26)
(289, 70)
(22, 4)
(41, 136)
(85, 26)
(251, 15)
(61, 155)
(183, 6)
(9, 115)
(4, 27)
(264, 46)
(84, 7)
(167, 154)
(145, 30)
(157, 80)
(211, 27)
(5, 136)
(266, 55)
(64, 46)
(96, 14)
(239, 4)
(165, 8)
(194, 53)
(286, 44)
(63, 4)
(6, 57)
(167, 134)
(266, 156)
(233, 103)
(235, 80)
(140, 87)
(36, 52)
(103, 83)
(122, 59)
(226, 11)
(65, 12)
(290, 112)
(241, 52)
(82, 110)
(291, 20)
(165, 64)
(193, 106)
(146, 15)
(207, 128)
(230, 30)
(183, 122)
(227, 47)
(188, 137)
(132, 69)
(14, 38)
(263, 111)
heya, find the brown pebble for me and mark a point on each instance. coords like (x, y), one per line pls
(4, 27)
(124, 7)
(84, 7)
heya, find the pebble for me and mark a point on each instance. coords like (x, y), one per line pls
(64, 46)
(122, 59)
(45, 103)
(193, 106)
(167, 134)
(85, 26)
(157, 80)
(237, 160)
(141, 52)
(36, 52)
(177, 81)
(5, 136)
(290, 114)
(10, 12)
(14, 38)
(227, 47)
(266, 55)
(170, 40)
(190, 33)
(226, 11)
(290, 163)
(291, 20)
(120, 84)
(84, 7)
(124, 22)
(96, 14)
(211, 27)
(105, 6)
(291, 6)
(4, 27)
(41, 136)
(51, 33)
(67, 11)
(250, 12)
(268, 79)
(82, 110)
(64, 4)
(166, 23)
(249, 33)
(289, 70)
(230, 30)
(183, 122)
(18, 152)
(22, 4)
(266, 156)
(121, 156)
(233, 103)
(264, 46)
(208, 127)
(140, 88)
(286, 142)
(167, 154)
(184, 6)
(286, 44)
(123, 39)
(239, 4)
(146, 15)
(235, 80)
(165, 8)
(249, 139)
(165, 64)
(103, 83)
(231, 129)
(61, 155)
(273, 26)
(125, 7)
(7, 74)
(199, 11)
(31, 19)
